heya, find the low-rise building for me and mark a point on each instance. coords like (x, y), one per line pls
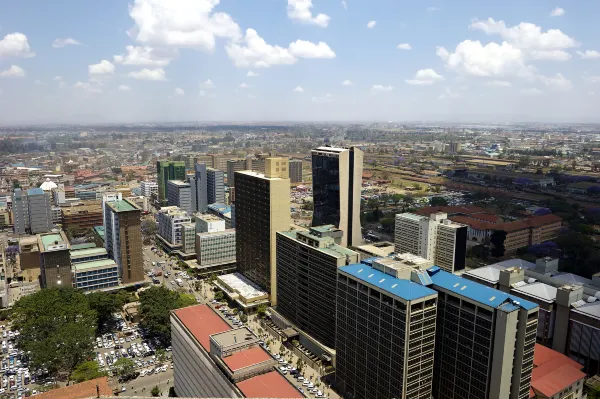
(95, 274)
(506, 238)
(82, 217)
(555, 376)
(247, 294)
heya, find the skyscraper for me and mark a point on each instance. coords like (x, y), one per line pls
(32, 211)
(337, 181)
(55, 260)
(168, 170)
(123, 239)
(295, 170)
(198, 185)
(215, 186)
(179, 193)
(262, 209)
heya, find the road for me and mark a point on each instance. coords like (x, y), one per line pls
(145, 384)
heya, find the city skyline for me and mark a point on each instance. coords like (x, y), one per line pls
(298, 61)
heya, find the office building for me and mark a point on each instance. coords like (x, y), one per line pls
(95, 275)
(170, 221)
(506, 238)
(81, 217)
(485, 340)
(199, 189)
(385, 334)
(295, 171)
(123, 239)
(166, 171)
(234, 165)
(337, 183)
(213, 359)
(433, 237)
(219, 161)
(215, 186)
(453, 147)
(307, 263)
(209, 223)
(179, 194)
(55, 260)
(215, 251)
(188, 238)
(32, 211)
(262, 209)
(148, 188)
(29, 259)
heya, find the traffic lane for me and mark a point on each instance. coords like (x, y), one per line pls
(145, 384)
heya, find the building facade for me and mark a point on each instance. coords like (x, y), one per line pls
(55, 260)
(337, 183)
(82, 217)
(216, 248)
(506, 238)
(148, 188)
(234, 165)
(295, 171)
(123, 239)
(95, 275)
(168, 170)
(262, 209)
(215, 186)
(32, 211)
(199, 188)
(170, 222)
(179, 194)
(188, 238)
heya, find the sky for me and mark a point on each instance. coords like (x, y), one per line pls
(73, 61)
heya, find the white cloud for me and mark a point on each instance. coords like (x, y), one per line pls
(298, 89)
(244, 86)
(498, 83)
(557, 12)
(57, 78)
(124, 88)
(425, 77)
(15, 45)
(404, 46)
(433, 9)
(327, 98)
(344, 4)
(591, 93)
(202, 93)
(589, 54)
(89, 87)
(371, 24)
(556, 82)
(179, 91)
(69, 41)
(346, 83)
(255, 52)
(252, 74)
(181, 23)
(146, 56)
(208, 84)
(102, 68)
(13, 72)
(157, 74)
(300, 11)
(63, 85)
(449, 94)
(381, 88)
(531, 91)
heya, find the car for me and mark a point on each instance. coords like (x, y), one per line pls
(277, 356)
(311, 385)
(313, 390)
(305, 383)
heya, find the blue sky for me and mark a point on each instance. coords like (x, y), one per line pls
(324, 60)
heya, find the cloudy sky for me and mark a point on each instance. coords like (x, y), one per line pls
(299, 60)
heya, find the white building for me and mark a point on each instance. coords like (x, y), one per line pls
(148, 188)
(209, 223)
(170, 220)
(188, 238)
(179, 193)
(435, 238)
(216, 248)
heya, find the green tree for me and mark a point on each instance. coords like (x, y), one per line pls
(105, 305)
(388, 224)
(87, 371)
(161, 355)
(417, 186)
(57, 328)
(438, 201)
(185, 300)
(243, 318)
(408, 201)
(594, 393)
(261, 310)
(124, 297)
(219, 295)
(155, 392)
(124, 368)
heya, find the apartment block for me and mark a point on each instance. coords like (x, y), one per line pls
(262, 209)
(337, 183)
(433, 237)
(307, 263)
(148, 188)
(179, 194)
(295, 171)
(216, 249)
(170, 222)
(55, 260)
(32, 211)
(209, 223)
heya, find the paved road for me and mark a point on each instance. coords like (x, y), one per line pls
(162, 380)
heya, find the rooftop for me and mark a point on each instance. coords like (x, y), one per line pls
(476, 292)
(534, 221)
(82, 390)
(122, 206)
(48, 240)
(81, 253)
(404, 289)
(100, 231)
(490, 274)
(35, 191)
(589, 309)
(74, 210)
(412, 216)
(330, 247)
(541, 291)
(202, 322)
(180, 183)
(240, 284)
(553, 372)
(94, 264)
(246, 357)
(269, 385)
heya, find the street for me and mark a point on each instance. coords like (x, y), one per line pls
(145, 384)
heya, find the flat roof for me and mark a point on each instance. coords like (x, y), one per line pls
(401, 288)
(476, 292)
(412, 216)
(100, 231)
(49, 239)
(538, 290)
(246, 357)
(589, 309)
(122, 206)
(95, 263)
(178, 183)
(35, 191)
(490, 274)
(332, 249)
(269, 385)
(202, 322)
(87, 252)
(242, 285)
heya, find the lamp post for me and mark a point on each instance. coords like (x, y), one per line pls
(58, 280)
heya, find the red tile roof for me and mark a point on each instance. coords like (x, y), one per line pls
(246, 357)
(553, 372)
(472, 223)
(202, 322)
(269, 385)
(82, 390)
(534, 221)
(465, 210)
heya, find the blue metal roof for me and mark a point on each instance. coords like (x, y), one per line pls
(475, 291)
(35, 191)
(404, 289)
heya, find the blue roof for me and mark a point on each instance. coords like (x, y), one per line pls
(220, 208)
(35, 191)
(404, 289)
(477, 292)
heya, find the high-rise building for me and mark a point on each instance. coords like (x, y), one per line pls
(295, 170)
(55, 260)
(179, 194)
(148, 188)
(199, 188)
(168, 170)
(337, 182)
(262, 209)
(215, 186)
(215, 251)
(219, 161)
(123, 239)
(234, 165)
(188, 238)
(385, 334)
(307, 263)
(453, 147)
(32, 211)
(170, 222)
(433, 237)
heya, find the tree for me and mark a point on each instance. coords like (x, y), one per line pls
(186, 300)
(124, 368)
(161, 355)
(149, 229)
(408, 201)
(155, 392)
(417, 186)
(438, 201)
(219, 296)
(87, 371)
(388, 224)
(105, 305)
(243, 318)
(261, 310)
(299, 365)
(57, 328)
